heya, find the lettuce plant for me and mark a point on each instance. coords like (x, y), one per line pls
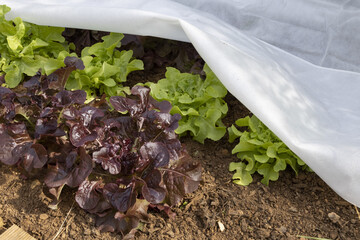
(30, 115)
(199, 102)
(26, 48)
(260, 150)
(106, 68)
(121, 158)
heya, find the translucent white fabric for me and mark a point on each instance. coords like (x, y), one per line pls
(295, 64)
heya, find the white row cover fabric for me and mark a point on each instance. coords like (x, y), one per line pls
(294, 64)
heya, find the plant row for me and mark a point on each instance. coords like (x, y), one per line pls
(119, 162)
(65, 112)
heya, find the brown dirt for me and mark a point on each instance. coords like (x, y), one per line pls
(290, 207)
(286, 209)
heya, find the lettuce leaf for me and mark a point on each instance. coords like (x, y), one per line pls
(199, 102)
(260, 150)
(105, 68)
(26, 48)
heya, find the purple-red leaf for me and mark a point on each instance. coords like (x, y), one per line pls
(16, 147)
(182, 178)
(164, 207)
(7, 144)
(143, 93)
(134, 107)
(121, 199)
(139, 209)
(156, 153)
(90, 114)
(66, 98)
(32, 83)
(55, 191)
(82, 171)
(87, 197)
(74, 62)
(123, 104)
(79, 135)
(59, 77)
(109, 223)
(47, 127)
(56, 176)
(151, 190)
(36, 157)
(167, 121)
(70, 113)
(106, 156)
(125, 223)
(76, 168)
(163, 106)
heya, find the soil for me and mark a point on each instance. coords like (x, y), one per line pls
(289, 208)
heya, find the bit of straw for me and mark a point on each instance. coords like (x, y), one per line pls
(314, 238)
(62, 225)
(357, 211)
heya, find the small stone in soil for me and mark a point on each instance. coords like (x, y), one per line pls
(221, 226)
(1, 222)
(44, 216)
(334, 217)
(293, 209)
(282, 229)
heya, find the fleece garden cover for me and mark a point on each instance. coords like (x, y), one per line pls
(295, 64)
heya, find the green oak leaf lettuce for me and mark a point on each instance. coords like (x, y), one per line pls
(260, 150)
(199, 102)
(105, 68)
(26, 48)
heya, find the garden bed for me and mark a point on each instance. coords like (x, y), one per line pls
(73, 145)
(286, 209)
